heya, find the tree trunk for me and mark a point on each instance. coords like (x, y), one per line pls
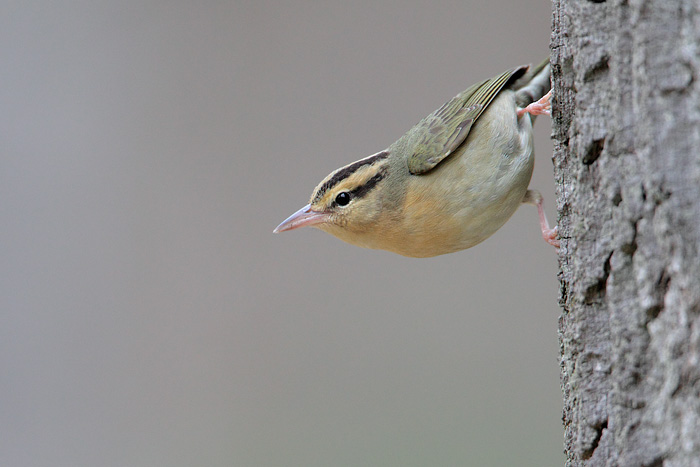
(626, 117)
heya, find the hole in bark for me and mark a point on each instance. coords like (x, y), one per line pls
(653, 312)
(596, 292)
(593, 151)
(617, 197)
(588, 453)
(606, 266)
(660, 195)
(598, 69)
(631, 247)
(657, 462)
(661, 288)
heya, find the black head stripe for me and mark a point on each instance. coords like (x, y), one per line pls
(346, 171)
(362, 190)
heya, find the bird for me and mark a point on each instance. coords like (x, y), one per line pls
(450, 182)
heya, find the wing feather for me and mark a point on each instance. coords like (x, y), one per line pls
(443, 131)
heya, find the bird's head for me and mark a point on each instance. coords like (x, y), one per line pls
(349, 202)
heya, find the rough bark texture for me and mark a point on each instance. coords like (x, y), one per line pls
(627, 160)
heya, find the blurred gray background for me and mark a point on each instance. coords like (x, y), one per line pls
(149, 315)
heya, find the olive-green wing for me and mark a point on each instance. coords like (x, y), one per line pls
(441, 132)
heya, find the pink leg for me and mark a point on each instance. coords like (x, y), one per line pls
(541, 107)
(550, 235)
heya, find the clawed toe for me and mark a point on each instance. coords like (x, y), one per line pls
(541, 107)
(550, 236)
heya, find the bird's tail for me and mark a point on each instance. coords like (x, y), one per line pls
(533, 85)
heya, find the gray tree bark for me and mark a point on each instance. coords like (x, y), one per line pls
(626, 118)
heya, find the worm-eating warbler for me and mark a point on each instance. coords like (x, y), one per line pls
(447, 184)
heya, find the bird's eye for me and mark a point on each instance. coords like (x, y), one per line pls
(342, 199)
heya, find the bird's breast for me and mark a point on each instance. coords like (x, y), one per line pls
(472, 193)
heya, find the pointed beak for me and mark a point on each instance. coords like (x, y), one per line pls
(304, 217)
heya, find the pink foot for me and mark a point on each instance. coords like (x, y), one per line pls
(541, 107)
(550, 235)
